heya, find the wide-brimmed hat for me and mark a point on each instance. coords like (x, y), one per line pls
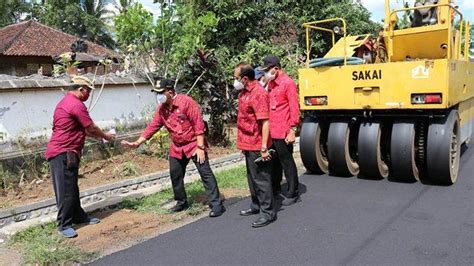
(83, 81)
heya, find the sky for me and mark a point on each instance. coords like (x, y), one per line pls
(376, 7)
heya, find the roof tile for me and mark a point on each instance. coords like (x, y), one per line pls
(31, 38)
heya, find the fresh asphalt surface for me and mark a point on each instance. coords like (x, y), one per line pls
(340, 221)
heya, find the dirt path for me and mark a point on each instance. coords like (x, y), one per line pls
(9, 257)
(120, 229)
(92, 174)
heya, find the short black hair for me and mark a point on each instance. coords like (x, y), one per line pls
(247, 71)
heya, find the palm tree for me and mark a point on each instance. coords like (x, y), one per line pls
(96, 28)
(123, 5)
(11, 11)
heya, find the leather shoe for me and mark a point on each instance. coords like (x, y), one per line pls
(290, 201)
(262, 221)
(249, 212)
(179, 207)
(216, 212)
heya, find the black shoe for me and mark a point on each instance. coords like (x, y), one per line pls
(249, 212)
(290, 201)
(179, 207)
(216, 212)
(261, 222)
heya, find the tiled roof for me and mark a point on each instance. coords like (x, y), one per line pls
(31, 38)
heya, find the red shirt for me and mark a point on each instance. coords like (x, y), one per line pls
(183, 121)
(70, 121)
(253, 106)
(284, 106)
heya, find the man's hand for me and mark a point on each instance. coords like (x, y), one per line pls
(201, 155)
(265, 155)
(109, 136)
(291, 137)
(130, 144)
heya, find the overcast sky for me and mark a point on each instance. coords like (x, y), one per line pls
(376, 7)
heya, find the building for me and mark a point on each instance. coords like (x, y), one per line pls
(30, 47)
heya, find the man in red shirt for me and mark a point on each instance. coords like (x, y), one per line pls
(70, 126)
(253, 140)
(284, 121)
(181, 115)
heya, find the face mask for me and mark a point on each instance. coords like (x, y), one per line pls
(238, 85)
(161, 98)
(262, 83)
(85, 96)
(269, 76)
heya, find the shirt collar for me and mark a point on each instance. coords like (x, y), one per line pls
(252, 85)
(281, 76)
(175, 102)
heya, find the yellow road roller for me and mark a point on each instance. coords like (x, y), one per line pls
(396, 105)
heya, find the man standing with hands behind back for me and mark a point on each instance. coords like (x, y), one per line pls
(181, 115)
(71, 124)
(284, 121)
(253, 140)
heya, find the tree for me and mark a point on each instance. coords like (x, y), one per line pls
(199, 42)
(123, 5)
(11, 11)
(82, 18)
(95, 29)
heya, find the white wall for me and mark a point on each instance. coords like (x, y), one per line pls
(29, 113)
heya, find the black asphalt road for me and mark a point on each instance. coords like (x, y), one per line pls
(340, 221)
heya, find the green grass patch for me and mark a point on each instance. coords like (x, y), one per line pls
(41, 245)
(235, 178)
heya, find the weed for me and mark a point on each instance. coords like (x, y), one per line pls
(159, 144)
(7, 178)
(232, 178)
(126, 169)
(42, 245)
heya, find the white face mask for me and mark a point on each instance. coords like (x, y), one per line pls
(161, 98)
(238, 85)
(269, 76)
(262, 83)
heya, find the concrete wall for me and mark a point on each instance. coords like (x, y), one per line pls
(27, 107)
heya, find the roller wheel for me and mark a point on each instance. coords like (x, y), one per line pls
(403, 152)
(444, 150)
(341, 155)
(313, 146)
(370, 157)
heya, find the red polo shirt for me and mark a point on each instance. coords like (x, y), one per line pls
(253, 106)
(184, 122)
(284, 106)
(70, 121)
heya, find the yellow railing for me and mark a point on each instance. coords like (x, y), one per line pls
(392, 22)
(313, 25)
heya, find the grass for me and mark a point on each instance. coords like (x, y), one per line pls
(235, 178)
(41, 245)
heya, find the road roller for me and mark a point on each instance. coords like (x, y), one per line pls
(398, 104)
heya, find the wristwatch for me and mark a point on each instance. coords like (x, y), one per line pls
(295, 129)
(264, 149)
(201, 147)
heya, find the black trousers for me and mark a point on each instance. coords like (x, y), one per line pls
(284, 163)
(177, 172)
(260, 185)
(67, 193)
